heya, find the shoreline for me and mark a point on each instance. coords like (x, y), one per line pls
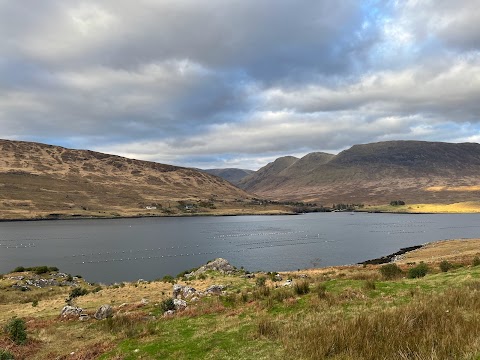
(391, 257)
(143, 216)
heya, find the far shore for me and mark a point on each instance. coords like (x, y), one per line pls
(413, 209)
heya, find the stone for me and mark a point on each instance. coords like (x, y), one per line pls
(288, 283)
(248, 276)
(169, 313)
(144, 301)
(103, 312)
(84, 317)
(218, 264)
(278, 277)
(215, 289)
(179, 304)
(188, 291)
(177, 289)
(71, 311)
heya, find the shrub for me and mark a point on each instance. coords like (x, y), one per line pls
(301, 287)
(445, 266)
(418, 271)
(476, 261)
(35, 303)
(40, 270)
(16, 331)
(390, 271)
(320, 290)
(369, 285)
(167, 304)
(266, 327)
(5, 355)
(76, 293)
(260, 281)
(19, 269)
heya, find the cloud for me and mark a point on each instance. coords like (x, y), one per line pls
(219, 83)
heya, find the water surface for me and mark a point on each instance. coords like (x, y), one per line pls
(149, 248)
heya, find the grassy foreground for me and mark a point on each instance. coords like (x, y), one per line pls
(454, 208)
(348, 312)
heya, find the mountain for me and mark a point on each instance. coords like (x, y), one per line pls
(232, 175)
(37, 180)
(413, 171)
(271, 171)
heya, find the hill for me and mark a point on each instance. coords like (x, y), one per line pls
(232, 175)
(414, 171)
(38, 180)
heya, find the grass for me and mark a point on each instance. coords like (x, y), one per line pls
(457, 207)
(334, 313)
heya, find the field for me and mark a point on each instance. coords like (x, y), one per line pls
(346, 312)
(459, 208)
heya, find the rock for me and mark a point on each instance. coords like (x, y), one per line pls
(103, 312)
(303, 276)
(179, 304)
(71, 311)
(288, 283)
(84, 317)
(177, 289)
(188, 291)
(218, 264)
(248, 276)
(144, 301)
(278, 277)
(169, 313)
(195, 299)
(215, 289)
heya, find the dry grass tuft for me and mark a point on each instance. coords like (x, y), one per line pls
(444, 327)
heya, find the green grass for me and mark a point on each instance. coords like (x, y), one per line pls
(204, 337)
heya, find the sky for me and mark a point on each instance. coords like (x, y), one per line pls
(238, 83)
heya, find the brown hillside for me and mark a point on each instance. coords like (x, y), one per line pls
(37, 180)
(413, 171)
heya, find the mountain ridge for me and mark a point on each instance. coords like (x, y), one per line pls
(38, 180)
(375, 173)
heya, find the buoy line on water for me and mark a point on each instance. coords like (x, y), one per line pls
(193, 254)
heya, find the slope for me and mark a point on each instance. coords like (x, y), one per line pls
(37, 180)
(414, 171)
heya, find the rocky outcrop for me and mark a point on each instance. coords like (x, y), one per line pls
(218, 264)
(103, 312)
(68, 311)
(215, 289)
(179, 304)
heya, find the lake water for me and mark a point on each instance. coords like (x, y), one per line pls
(149, 248)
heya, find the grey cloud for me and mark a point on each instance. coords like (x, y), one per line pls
(232, 82)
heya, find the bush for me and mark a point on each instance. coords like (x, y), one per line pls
(390, 271)
(418, 271)
(445, 266)
(16, 331)
(167, 304)
(476, 261)
(260, 281)
(168, 279)
(369, 285)
(5, 355)
(76, 293)
(301, 287)
(40, 270)
(19, 269)
(321, 291)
